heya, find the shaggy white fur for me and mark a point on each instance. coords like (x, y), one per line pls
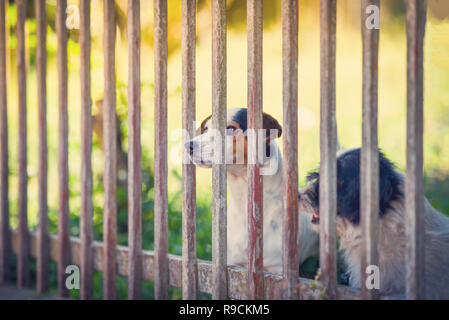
(308, 239)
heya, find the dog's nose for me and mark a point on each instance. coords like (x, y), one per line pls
(189, 147)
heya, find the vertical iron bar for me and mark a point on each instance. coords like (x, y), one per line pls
(86, 223)
(63, 214)
(134, 154)
(43, 244)
(414, 193)
(290, 142)
(5, 240)
(255, 182)
(110, 153)
(189, 262)
(160, 151)
(63, 151)
(369, 167)
(328, 147)
(219, 205)
(23, 272)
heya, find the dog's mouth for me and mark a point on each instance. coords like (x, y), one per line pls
(200, 162)
(316, 217)
(203, 164)
(200, 158)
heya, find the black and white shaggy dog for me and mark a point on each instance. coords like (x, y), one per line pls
(392, 229)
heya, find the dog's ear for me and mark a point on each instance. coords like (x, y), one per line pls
(270, 123)
(348, 187)
(385, 193)
(202, 126)
(389, 184)
(348, 199)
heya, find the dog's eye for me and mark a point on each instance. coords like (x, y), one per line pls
(231, 130)
(312, 176)
(205, 129)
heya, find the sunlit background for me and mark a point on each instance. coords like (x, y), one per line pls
(392, 102)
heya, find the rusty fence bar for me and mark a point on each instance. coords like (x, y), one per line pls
(23, 272)
(5, 243)
(110, 152)
(86, 223)
(160, 150)
(134, 154)
(255, 122)
(189, 263)
(414, 199)
(290, 142)
(328, 147)
(369, 170)
(219, 205)
(41, 65)
(63, 151)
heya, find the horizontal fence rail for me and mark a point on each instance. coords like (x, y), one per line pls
(193, 275)
(237, 276)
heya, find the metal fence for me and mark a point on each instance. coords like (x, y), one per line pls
(193, 275)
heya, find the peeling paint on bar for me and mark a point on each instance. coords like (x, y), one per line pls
(189, 260)
(369, 171)
(5, 241)
(219, 206)
(110, 154)
(41, 66)
(160, 150)
(23, 260)
(134, 154)
(328, 147)
(86, 215)
(414, 199)
(255, 121)
(290, 139)
(63, 148)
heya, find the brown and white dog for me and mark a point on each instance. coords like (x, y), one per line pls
(392, 230)
(201, 153)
